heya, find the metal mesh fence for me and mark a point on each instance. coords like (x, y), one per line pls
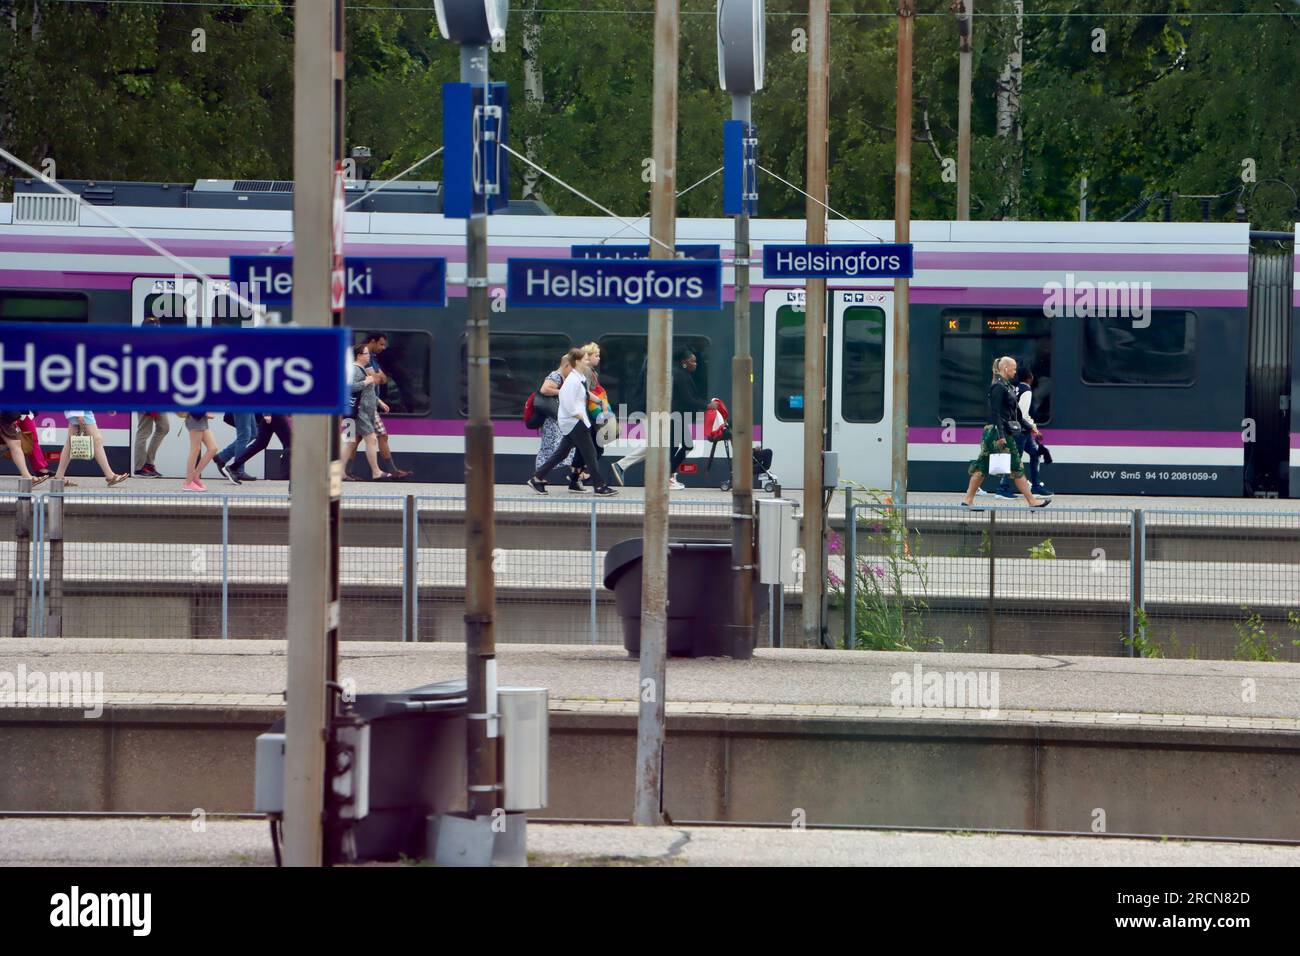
(1220, 585)
(943, 577)
(548, 563)
(1004, 579)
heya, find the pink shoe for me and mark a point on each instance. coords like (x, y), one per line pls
(193, 486)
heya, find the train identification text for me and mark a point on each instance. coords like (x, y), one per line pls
(614, 283)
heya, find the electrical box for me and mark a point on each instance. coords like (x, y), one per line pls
(525, 732)
(830, 469)
(268, 775)
(351, 780)
(778, 539)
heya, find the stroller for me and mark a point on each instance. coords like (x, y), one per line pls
(717, 429)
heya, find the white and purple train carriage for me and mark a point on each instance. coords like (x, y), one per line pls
(1167, 355)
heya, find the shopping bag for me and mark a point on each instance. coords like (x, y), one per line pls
(1000, 463)
(81, 447)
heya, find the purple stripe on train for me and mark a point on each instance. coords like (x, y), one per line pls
(1088, 436)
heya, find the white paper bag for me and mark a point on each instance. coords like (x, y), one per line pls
(1000, 463)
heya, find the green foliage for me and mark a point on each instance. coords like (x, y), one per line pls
(890, 581)
(1144, 643)
(1254, 642)
(1174, 104)
(1046, 551)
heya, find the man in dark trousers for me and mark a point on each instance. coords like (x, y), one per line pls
(686, 404)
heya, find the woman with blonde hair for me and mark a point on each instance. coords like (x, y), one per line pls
(603, 427)
(1003, 426)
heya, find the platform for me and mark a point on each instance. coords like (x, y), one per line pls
(1206, 748)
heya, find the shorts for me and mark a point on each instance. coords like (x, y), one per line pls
(988, 446)
(196, 423)
(88, 417)
(379, 426)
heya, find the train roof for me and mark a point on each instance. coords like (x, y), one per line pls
(402, 196)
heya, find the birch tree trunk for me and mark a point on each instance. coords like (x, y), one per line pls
(1009, 128)
(534, 98)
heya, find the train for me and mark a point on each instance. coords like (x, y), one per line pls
(1166, 355)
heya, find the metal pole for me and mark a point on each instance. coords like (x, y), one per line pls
(49, 527)
(593, 572)
(480, 530)
(814, 382)
(24, 581)
(1137, 597)
(993, 527)
(410, 568)
(313, 507)
(850, 571)
(902, 233)
(965, 22)
(648, 810)
(1083, 199)
(742, 433)
(225, 567)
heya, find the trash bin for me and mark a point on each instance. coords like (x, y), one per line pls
(699, 598)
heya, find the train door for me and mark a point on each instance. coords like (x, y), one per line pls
(178, 302)
(858, 370)
(861, 396)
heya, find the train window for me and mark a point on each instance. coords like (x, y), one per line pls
(623, 367)
(970, 340)
(407, 362)
(1116, 352)
(789, 364)
(862, 364)
(518, 363)
(22, 305)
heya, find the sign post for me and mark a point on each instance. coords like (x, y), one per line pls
(741, 48)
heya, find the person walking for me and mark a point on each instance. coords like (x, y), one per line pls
(686, 404)
(27, 423)
(364, 404)
(550, 434)
(268, 426)
(602, 418)
(245, 431)
(12, 436)
(575, 427)
(1003, 425)
(1028, 440)
(86, 421)
(203, 449)
(377, 342)
(149, 434)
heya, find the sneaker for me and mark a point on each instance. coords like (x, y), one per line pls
(193, 486)
(537, 485)
(232, 474)
(153, 472)
(578, 486)
(1007, 493)
(606, 491)
(980, 491)
(143, 473)
(1041, 492)
(674, 484)
(617, 469)
(243, 476)
(221, 466)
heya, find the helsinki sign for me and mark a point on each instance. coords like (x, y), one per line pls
(390, 281)
(121, 367)
(614, 283)
(868, 261)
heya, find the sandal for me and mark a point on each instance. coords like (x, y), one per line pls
(384, 476)
(117, 479)
(69, 483)
(350, 478)
(38, 479)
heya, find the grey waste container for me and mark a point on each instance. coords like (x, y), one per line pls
(699, 598)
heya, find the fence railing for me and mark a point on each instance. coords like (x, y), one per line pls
(1095, 581)
(1062, 580)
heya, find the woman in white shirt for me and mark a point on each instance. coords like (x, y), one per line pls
(575, 427)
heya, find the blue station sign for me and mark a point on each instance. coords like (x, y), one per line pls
(614, 283)
(868, 261)
(687, 250)
(390, 281)
(127, 368)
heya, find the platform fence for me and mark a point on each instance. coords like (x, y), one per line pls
(1002, 579)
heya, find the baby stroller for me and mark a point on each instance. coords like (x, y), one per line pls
(717, 429)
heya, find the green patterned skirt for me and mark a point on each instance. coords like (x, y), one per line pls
(988, 446)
